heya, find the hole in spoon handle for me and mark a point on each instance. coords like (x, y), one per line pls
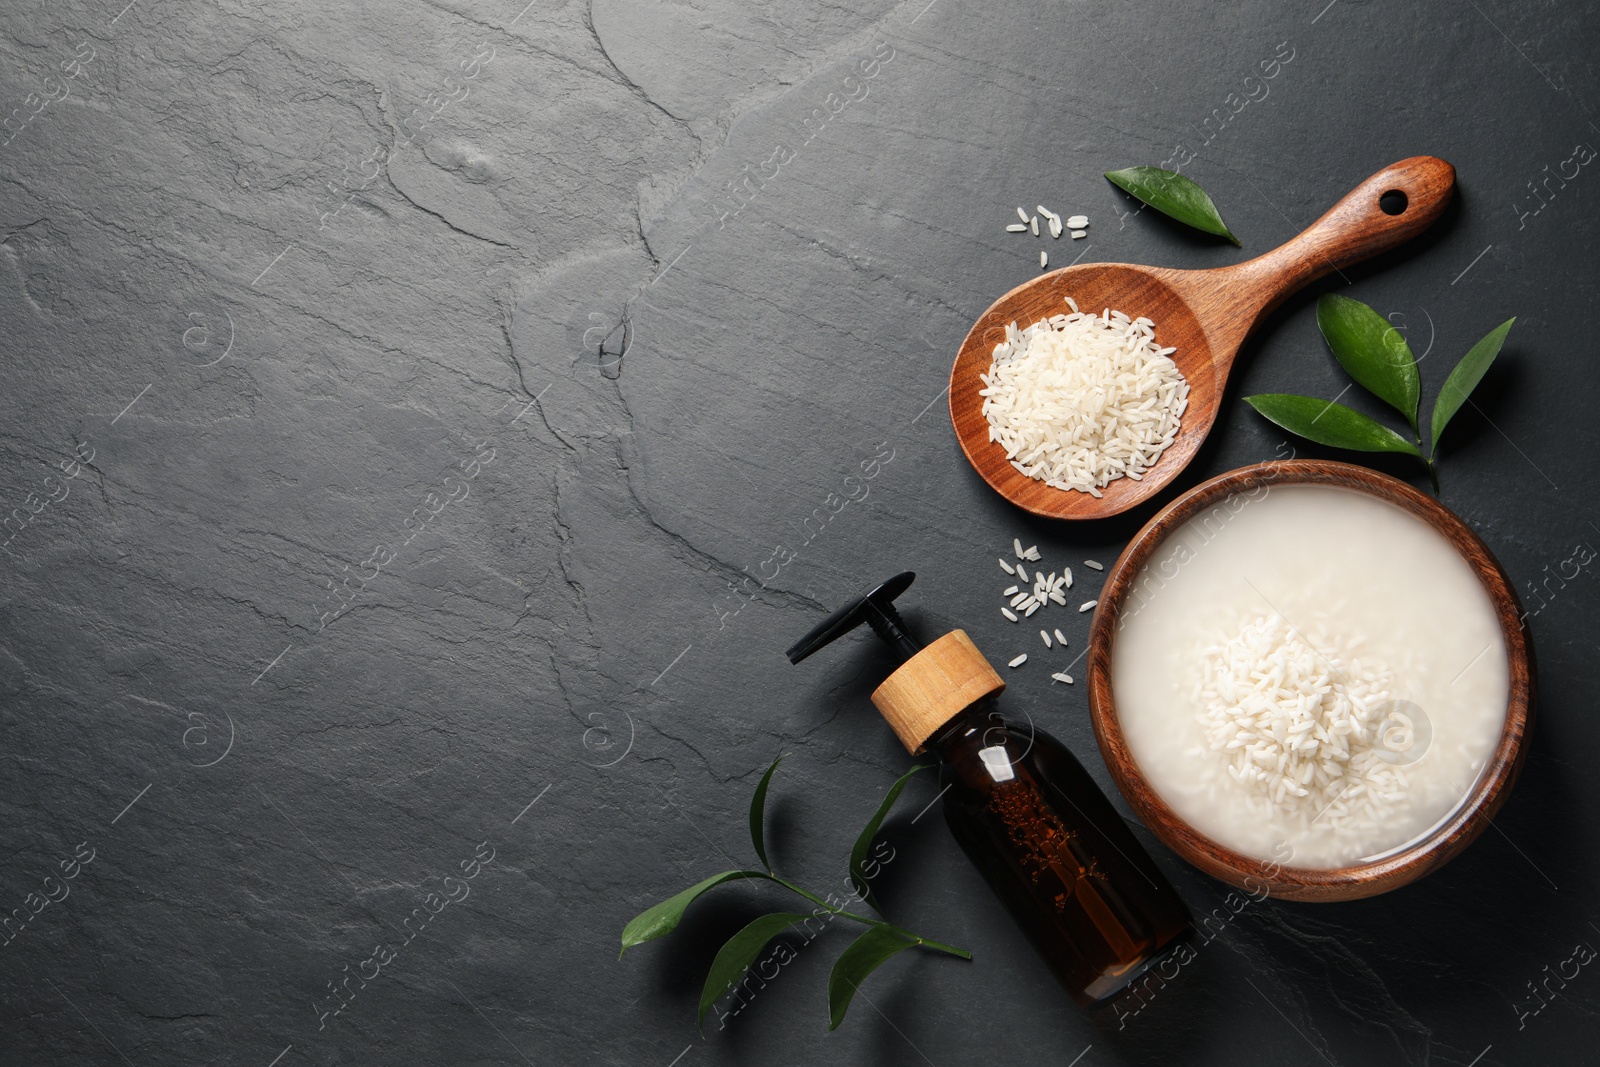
(1383, 212)
(1368, 220)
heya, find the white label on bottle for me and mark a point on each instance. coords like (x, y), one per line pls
(998, 764)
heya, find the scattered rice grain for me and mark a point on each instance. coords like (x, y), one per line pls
(1018, 661)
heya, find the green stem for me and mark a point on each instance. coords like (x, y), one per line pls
(907, 934)
(1433, 473)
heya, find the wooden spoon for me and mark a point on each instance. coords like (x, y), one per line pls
(1205, 314)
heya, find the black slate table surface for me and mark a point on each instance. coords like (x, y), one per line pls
(426, 424)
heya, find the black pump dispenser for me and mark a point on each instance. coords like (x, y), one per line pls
(876, 609)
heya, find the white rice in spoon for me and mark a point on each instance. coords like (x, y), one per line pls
(1079, 400)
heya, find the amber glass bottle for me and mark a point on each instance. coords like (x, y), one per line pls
(1056, 852)
(1022, 807)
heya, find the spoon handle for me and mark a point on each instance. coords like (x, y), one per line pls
(1355, 228)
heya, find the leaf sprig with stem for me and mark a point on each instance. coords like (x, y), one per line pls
(1375, 354)
(865, 954)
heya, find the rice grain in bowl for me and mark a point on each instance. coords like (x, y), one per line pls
(1311, 676)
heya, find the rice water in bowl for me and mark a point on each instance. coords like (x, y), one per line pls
(1303, 672)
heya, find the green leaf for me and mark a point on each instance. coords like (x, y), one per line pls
(1328, 423)
(865, 954)
(1173, 195)
(1372, 352)
(858, 854)
(758, 812)
(665, 916)
(736, 956)
(1465, 378)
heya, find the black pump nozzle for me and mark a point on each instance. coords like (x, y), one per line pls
(876, 609)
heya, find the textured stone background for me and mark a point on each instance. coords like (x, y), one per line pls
(289, 291)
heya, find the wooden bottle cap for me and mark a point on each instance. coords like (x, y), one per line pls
(933, 687)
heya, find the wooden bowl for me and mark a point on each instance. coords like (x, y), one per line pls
(1391, 871)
